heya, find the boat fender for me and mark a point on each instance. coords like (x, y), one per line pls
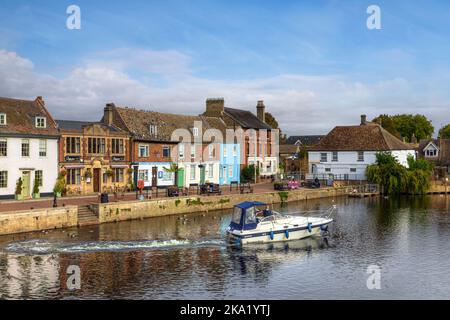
(271, 235)
(238, 242)
(286, 233)
(310, 227)
(324, 228)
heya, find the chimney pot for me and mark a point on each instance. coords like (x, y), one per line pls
(363, 119)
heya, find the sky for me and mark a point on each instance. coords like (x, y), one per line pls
(314, 63)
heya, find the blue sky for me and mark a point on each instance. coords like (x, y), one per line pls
(314, 63)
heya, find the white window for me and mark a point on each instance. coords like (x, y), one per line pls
(143, 175)
(166, 152)
(3, 179)
(195, 132)
(193, 151)
(210, 171)
(225, 147)
(41, 122)
(25, 148)
(335, 157)
(361, 156)
(3, 147)
(431, 151)
(192, 172)
(211, 151)
(153, 130)
(327, 169)
(230, 171)
(324, 157)
(42, 148)
(181, 150)
(352, 169)
(38, 175)
(2, 119)
(143, 150)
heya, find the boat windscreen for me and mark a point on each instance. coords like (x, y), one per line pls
(250, 216)
(237, 215)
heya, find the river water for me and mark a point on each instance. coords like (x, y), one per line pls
(407, 239)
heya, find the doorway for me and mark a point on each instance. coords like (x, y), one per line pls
(154, 176)
(26, 184)
(96, 180)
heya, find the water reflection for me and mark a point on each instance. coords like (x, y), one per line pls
(187, 257)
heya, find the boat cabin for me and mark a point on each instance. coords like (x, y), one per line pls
(247, 215)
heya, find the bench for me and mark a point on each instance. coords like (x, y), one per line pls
(210, 188)
(193, 186)
(246, 188)
(234, 183)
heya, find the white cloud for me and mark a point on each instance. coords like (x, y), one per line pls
(302, 104)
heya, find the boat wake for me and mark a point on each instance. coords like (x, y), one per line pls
(48, 247)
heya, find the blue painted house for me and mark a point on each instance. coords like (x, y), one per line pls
(230, 169)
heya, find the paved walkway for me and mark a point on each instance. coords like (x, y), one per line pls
(14, 205)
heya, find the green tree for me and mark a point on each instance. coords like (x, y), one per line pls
(407, 126)
(271, 121)
(444, 133)
(248, 173)
(396, 179)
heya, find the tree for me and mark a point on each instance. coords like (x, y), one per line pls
(248, 173)
(444, 133)
(173, 169)
(271, 121)
(396, 179)
(407, 126)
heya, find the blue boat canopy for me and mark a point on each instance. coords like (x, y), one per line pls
(249, 204)
(244, 215)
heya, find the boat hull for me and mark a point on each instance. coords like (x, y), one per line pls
(275, 236)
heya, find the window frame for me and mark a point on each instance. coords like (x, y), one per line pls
(22, 144)
(360, 156)
(73, 177)
(4, 140)
(37, 122)
(335, 156)
(146, 147)
(42, 152)
(322, 157)
(4, 180)
(41, 175)
(166, 152)
(3, 122)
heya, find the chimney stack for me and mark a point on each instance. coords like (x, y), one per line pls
(363, 119)
(215, 107)
(108, 114)
(260, 111)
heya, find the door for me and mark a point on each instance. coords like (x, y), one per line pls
(180, 178)
(154, 176)
(26, 184)
(202, 174)
(96, 180)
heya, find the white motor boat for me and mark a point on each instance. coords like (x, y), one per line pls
(250, 224)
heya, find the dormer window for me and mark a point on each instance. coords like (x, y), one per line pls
(431, 151)
(153, 130)
(41, 122)
(195, 132)
(2, 119)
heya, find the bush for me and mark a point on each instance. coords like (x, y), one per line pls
(19, 186)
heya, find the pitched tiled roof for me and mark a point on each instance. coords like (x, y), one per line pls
(21, 117)
(444, 150)
(138, 123)
(246, 119)
(305, 140)
(78, 125)
(370, 137)
(288, 149)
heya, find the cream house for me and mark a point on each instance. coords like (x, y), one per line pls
(28, 147)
